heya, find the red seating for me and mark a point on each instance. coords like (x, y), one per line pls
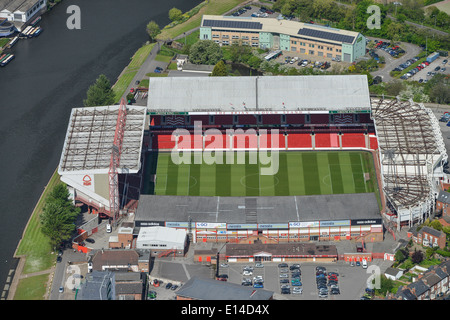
(192, 141)
(217, 141)
(326, 140)
(163, 141)
(299, 140)
(353, 140)
(245, 141)
(373, 142)
(269, 141)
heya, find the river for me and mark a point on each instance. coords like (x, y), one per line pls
(49, 76)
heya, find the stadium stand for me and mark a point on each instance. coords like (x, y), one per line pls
(353, 140)
(326, 140)
(299, 140)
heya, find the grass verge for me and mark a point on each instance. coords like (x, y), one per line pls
(213, 7)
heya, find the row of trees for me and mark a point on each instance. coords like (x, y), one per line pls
(355, 18)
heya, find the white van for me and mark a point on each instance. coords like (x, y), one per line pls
(108, 228)
(364, 264)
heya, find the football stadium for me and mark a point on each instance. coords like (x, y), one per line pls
(282, 159)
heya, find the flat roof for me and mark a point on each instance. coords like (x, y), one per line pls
(90, 136)
(257, 210)
(259, 93)
(162, 234)
(274, 25)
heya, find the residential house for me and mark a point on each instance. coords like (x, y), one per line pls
(120, 260)
(443, 203)
(427, 236)
(129, 286)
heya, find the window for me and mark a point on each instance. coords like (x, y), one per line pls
(320, 54)
(293, 49)
(225, 36)
(235, 119)
(329, 55)
(302, 50)
(311, 51)
(211, 119)
(188, 119)
(259, 119)
(283, 118)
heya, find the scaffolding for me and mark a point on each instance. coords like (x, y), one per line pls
(412, 153)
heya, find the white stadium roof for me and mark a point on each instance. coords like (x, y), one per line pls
(90, 136)
(266, 93)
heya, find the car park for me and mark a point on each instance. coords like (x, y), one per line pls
(297, 290)
(285, 290)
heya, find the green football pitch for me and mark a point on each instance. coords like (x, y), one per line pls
(299, 173)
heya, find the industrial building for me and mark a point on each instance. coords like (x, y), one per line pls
(286, 35)
(161, 239)
(21, 11)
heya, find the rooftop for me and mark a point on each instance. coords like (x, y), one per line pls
(255, 94)
(90, 136)
(270, 210)
(288, 27)
(209, 289)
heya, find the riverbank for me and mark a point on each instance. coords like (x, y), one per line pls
(40, 266)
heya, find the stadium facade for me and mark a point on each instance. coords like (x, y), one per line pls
(300, 113)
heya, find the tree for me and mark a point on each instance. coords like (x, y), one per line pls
(220, 70)
(400, 256)
(153, 29)
(175, 14)
(394, 88)
(417, 257)
(100, 93)
(205, 52)
(58, 216)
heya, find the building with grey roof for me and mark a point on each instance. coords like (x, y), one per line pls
(98, 285)
(297, 37)
(21, 10)
(208, 289)
(348, 93)
(285, 217)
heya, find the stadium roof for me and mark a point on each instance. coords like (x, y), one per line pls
(318, 93)
(90, 136)
(281, 26)
(261, 210)
(410, 145)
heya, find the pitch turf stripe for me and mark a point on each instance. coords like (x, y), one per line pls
(358, 175)
(237, 178)
(172, 178)
(335, 173)
(251, 180)
(161, 174)
(194, 174)
(347, 173)
(295, 173)
(223, 179)
(311, 173)
(282, 176)
(323, 169)
(183, 179)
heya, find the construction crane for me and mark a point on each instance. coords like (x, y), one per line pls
(114, 164)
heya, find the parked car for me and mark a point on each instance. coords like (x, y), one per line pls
(90, 240)
(174, 287)
(297, 290)
(259, 265)
(151, 295)
(169, 285)
(283, 265)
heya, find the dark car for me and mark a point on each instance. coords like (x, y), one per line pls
(59, 259)
(283, 265)
(169, 285)
(174, 287)
(285, 291)
(90, 240)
